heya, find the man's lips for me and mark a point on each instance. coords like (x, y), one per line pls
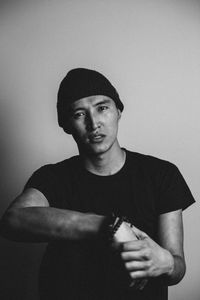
(94, 138)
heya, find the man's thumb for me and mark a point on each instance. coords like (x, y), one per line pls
(141, 235)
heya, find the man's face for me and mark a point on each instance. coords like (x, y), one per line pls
(94, 124)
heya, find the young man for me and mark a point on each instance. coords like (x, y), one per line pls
(112, 218)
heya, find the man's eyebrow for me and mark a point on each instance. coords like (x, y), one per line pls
(72, 110)
(105, 101)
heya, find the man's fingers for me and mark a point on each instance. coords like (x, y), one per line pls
(141, 274)
(140, 284)
(133, 245)
(139, 233)
(136, 266)
(131, 255)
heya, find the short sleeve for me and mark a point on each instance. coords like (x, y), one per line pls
(45, 181)
(174, 192)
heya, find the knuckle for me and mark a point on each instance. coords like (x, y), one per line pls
(149, 264)
(146, 243)
(127, 266)
(148, 274)
(147, 253)
(132, 275)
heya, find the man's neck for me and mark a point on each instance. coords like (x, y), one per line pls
(107, 163)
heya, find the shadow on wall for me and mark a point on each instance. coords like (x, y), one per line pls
(19, 262)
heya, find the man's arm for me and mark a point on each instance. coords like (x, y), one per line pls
(170, 234)
(30, 219)
(145, 258)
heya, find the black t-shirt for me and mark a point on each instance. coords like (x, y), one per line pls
(143, 189)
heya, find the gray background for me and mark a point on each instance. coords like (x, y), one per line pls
(150, 50)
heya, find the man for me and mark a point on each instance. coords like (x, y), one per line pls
(112, 218)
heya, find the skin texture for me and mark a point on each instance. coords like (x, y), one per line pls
(144, 258)
(94, 124)
(30, 219)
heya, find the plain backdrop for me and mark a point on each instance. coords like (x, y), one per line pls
(150, 50)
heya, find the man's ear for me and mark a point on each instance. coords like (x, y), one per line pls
(67, 128)
(119, 114)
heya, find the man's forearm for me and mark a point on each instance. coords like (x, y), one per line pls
(44, 224)
(177, 272)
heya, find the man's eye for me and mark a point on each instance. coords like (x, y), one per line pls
(103, 107)
(78, 115)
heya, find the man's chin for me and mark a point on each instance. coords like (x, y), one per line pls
(95, 149)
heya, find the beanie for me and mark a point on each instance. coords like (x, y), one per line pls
(80, 83)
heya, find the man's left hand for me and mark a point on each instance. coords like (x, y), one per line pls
(144, 258)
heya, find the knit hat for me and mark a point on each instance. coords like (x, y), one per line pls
(80, 83)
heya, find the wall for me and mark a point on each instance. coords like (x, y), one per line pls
(150, 52)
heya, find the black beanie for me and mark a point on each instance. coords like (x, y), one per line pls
(80, 83)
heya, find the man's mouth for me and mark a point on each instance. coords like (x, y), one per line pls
(96, 138)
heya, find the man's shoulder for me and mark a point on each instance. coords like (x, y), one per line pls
(65, 165)
(149, 162)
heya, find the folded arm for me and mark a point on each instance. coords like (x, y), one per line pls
(30, 219)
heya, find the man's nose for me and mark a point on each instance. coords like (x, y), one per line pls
(92, 121)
